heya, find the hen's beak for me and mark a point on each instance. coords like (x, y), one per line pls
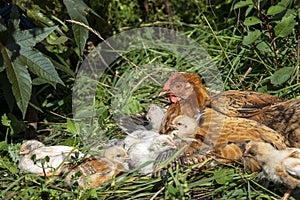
(163, 93)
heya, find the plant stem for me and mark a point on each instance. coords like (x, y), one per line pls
(263, 19)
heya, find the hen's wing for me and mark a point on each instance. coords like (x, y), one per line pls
(284, 118)
(246, 104)
(226, 137)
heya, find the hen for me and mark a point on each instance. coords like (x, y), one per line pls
(222, 136)
(246, 104)
(95, 170)
(44, 161)
(281, 166)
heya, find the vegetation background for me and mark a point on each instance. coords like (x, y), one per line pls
(254, 43)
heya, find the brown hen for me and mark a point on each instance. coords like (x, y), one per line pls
(277, 113)
(220, 136)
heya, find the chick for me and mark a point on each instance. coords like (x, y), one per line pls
(151, 121)
(147, 150)
(36, 154)
(281, 166)
(94, 171)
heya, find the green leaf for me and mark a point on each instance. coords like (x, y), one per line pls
(285, 3)
(20, 80)
(250, 21)
(77, 10)
(273, 10)
(40, 65)
(242, 4)
(285, 26)
(223, 176)
(5, 121)
(29, 38)
(263, 47)
(72, 127)
(282, 75)
(251, 37)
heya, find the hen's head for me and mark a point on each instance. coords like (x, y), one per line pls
(177, 87)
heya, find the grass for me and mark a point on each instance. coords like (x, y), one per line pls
(130, 84)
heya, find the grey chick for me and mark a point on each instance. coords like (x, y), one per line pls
(150, 121)
(147, 150)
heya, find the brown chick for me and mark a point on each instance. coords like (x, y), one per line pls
(94, 171)
(281, 166)
(226, 136)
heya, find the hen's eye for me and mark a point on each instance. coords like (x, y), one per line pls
(179, 123)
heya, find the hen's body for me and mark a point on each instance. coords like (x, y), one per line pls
(277, 113)
(228, 135)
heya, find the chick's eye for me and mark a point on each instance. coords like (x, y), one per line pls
(179, 123)
(252, 153)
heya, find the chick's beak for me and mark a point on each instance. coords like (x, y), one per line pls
(171, 143)
(24, 151)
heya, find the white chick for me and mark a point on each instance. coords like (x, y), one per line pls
(94, 171)
(281, 166)
(147, 150)
(34, 152)
(138, 136)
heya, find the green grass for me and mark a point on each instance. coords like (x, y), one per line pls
(232, 59)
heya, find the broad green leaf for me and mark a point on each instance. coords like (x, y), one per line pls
(242, 4)
(77, 10)
(20, 80)
(40, 65)
(263, 47)
(40, 18)
(285, 27)
(273, 10)
(282, 75)
(29, 38)
(250, 21)
(285, 3)
(251, 37)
